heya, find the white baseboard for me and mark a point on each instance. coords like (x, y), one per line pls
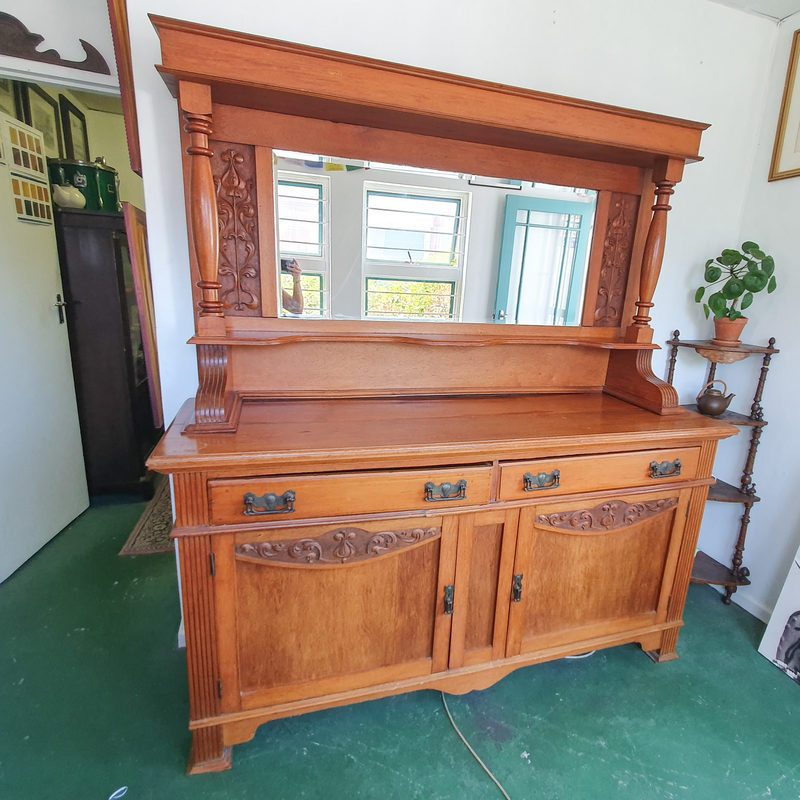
(758, 610)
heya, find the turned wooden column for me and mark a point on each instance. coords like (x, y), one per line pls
(217, 405)
(195, 104)
(665, 175)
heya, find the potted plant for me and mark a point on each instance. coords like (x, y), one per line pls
(742, 275)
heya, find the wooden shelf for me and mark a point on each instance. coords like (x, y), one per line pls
(730, 416)
(722, 492)
(707, 344)
(708, 570)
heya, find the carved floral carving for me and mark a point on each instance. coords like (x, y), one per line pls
(606, 516)
(233, 167)
(17, 41)
(339, 546)
(616, 260)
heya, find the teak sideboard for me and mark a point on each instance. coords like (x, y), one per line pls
(367, 508)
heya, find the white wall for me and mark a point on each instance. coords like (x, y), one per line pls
(771, 218)
(107, 138)
(689, 58)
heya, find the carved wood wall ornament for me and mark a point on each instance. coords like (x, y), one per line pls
(17, 41)
(616, 262)
(213, 400)
(339, 546)
(233, 167)
(606, 516)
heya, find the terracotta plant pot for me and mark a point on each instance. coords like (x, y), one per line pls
(727, 331)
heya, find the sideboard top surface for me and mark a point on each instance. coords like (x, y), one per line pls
(275, 435)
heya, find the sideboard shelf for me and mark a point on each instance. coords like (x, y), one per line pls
(706, 569)
(723, 492)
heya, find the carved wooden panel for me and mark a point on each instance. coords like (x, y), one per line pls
(17, 41)
(212, 369)
(340, 546)
(305, 631)
(234, 168)
(607, 516)
(616, 263)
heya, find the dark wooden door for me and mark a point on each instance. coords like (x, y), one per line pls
(117, 428)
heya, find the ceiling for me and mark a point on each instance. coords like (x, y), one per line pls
(777, 9)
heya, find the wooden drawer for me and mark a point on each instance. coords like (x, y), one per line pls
(556, 476)
(308, 496)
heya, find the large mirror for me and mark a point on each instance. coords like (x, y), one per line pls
(363, 240)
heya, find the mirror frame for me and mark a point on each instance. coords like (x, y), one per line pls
(262, 94)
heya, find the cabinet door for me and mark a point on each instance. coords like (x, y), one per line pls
(592, 568)
(484, 565)
(305, 612)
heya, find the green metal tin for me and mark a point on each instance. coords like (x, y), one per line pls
(97, 182)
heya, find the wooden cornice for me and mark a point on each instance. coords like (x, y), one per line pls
(272, 75)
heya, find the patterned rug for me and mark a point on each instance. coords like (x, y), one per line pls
(151, 534)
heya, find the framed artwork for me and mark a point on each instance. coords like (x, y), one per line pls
(76, 137)
(136, 228)
(786, 153)
(44, 115)
(118, 13)
(26, 155)
(781, 641)
(8, 100)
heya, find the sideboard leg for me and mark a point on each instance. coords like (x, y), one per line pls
(669, 641)
(208, 753)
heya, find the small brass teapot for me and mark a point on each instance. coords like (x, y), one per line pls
(712, 402)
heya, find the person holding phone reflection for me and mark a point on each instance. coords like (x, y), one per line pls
(293, 303)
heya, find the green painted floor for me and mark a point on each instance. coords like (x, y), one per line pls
(93, 697)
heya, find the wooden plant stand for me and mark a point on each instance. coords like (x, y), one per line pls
(707, 569)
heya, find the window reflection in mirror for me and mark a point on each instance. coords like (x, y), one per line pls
(378, 241)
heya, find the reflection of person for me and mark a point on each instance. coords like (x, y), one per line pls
(293, 303)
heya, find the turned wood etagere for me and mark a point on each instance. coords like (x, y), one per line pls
(707, 569)
(365, 508)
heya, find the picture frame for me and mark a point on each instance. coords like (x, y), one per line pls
(43, 114)
(76, 136)
(786, 152)
(8, 97)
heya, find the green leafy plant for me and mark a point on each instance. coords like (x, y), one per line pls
(742, 275)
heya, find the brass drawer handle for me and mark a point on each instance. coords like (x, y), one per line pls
(544, 480)
(445, 491)
(269, 504)
(666, 469)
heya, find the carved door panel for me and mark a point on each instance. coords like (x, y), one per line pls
(329, 608)
(484, 565)
(591, 568)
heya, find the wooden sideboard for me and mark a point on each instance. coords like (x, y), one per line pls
(365, 508)
(335, 551)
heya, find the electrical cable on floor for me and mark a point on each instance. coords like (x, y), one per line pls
(467, 745)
